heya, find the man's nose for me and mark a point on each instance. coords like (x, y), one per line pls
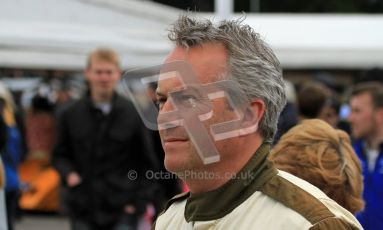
(168, 106)
(350, 117)
(105, 75)
(168, 117)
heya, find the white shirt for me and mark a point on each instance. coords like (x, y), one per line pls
(372, 156)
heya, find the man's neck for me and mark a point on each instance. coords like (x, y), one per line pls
(207, 180)
(101, 97)
(375, 139)
(374, 142)
(217, 174)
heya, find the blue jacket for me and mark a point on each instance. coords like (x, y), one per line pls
(372, 216)
(11, 158)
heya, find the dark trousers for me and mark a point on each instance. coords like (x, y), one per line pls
(11, 199)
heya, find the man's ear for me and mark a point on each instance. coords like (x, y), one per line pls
(252, 116)
(87, 73)
(258, 107)
(379, 115)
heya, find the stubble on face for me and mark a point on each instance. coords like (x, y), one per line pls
(102, 77)
(208, 62)
(362, 118)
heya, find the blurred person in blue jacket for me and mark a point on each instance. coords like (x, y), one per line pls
(11, 152)
(366, 119)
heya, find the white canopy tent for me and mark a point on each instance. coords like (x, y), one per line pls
(58, 34)
(323, 41)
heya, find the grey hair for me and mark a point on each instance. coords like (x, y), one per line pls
(251, 62)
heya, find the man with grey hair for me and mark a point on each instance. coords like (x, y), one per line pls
(242, 189)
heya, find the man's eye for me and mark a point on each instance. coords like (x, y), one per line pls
(160, 102)
(192, 102)
(187, 100)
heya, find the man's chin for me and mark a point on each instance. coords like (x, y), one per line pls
(178, 165)
(105, 89)
(355, 134)
(174, 167)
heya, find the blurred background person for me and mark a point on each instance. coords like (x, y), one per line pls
(323, 156)
(315, 100)
(366, 119)
(63, 92)
(40, 128)
(40, 182)
(289, 114)
(102, 152)
(12, 153)
(3, 213)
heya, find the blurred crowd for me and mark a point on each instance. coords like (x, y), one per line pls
(344, 161)
(70, 152)
(80, 169)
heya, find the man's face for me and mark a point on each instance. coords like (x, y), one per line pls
(362, 117)
(329, 114)
(208, 63)
(102, 76)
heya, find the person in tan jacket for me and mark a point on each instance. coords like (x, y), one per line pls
(323, 156)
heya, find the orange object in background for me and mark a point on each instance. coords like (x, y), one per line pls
(43, 181)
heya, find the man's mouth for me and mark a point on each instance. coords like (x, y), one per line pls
(175, 139)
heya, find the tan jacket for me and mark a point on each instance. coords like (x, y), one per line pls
(265, 199)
